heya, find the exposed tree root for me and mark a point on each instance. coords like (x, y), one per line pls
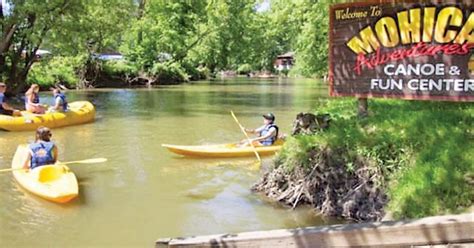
(329, 186)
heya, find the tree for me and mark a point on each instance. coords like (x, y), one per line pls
(67, 27)
(98, 27)
(163, 28)
(232, 27)
(24, 29)
(312, 43)
(302, 25)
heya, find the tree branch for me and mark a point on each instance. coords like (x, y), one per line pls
(183, 54)
(7, 38)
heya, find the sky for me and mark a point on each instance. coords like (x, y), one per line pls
(5, 7)
(264, 6)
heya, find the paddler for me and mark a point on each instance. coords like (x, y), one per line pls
(43, 151)
(32, 101)
(267, 134)
(6, 109)
(60, 102)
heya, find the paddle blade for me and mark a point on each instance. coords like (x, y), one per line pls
(87, 161)
(11, 169)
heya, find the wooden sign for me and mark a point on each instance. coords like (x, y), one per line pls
(402, 49)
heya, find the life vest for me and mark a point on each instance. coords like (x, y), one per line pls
(2, 100)
(42, 154)
(63, 99)
(35, 98)
(269, 141)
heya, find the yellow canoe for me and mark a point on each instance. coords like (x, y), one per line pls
(79, 112)
(52, 182)
(223, 150)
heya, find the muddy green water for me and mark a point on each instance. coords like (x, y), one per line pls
(144, 192)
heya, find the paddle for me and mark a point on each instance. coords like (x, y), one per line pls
(85, 161)
(248, 138)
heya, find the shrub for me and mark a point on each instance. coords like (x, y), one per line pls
(195, 73)
(52, 71)
(119, 68)
(169, 72)
(244, 69)
(204, 72)
(284, 72)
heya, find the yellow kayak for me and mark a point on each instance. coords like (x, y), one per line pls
(52, 182)
(79, 112)
(224, 150)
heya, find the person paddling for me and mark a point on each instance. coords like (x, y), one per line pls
(32, 100)
(267, 134)
(43, 151)
(60, 102)
(6, 109)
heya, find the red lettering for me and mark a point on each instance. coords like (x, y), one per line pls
(420, 49)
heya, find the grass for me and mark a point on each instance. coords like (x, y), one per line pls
(424, 150)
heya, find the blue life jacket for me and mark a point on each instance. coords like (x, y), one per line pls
(63, 99)
(35, 98)
(42, 154)
(2, 100)
(270, 140)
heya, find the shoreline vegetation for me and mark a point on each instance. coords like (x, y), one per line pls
(70, 72)
(407, 159)
(95, 43)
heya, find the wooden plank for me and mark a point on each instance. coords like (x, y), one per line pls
(427, 231)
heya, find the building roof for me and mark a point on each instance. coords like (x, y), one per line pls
(286, 55)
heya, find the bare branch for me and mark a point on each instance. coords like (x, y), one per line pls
(7, 38)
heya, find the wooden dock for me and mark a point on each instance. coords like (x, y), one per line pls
(439, 230)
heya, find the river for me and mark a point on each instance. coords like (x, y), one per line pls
(144, 192)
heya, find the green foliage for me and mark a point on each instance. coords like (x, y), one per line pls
(119, 68)
(244, 69)
(284, 72)
(228, 44)
(66, 28)
(98, 26)
(195, 73)
(29, 22)
(423, 149)
(213, 34)
(169, 72)
(301, 26)
(50, 72)
(204, 72)
(296, 151)
(166, 27)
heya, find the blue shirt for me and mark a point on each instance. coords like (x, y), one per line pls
(2, 100)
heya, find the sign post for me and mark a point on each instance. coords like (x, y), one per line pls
(363, 107)
(413, 50)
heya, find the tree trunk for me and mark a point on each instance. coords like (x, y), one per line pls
(141, 12)
(18, 81)
(3, 66)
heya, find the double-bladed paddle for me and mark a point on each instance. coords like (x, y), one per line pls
(85, 161)
(248, 138)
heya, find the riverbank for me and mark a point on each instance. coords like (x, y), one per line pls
(80, 72)
(411, 159)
